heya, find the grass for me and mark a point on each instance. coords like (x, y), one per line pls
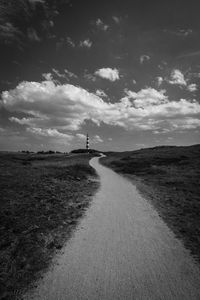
(42, 199)
(170, 178)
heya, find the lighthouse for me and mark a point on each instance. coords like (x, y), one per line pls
(87, 143)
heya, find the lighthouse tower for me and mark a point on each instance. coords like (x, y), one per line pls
(87, 143)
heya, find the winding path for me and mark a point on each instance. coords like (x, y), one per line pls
(121, 250)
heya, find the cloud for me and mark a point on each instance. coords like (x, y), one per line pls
(134, 81)
(66, 75)
(70, 74)
(18, 17)
(81, 136)
(188, 123)
(86, 43)
(101, 93)
(177, 77)
(48, 107)
(58, 73)
(144, 58)
(192, 87)
(159, 80)
(70, 42)
(32, 35)
(180, 32)
(147, 97)
(96, 139)
(49, 132)
(23, 121)
(89, 77)
(190, 54)
(47, 76)
(101, 25)
(10, 34)
(108, 73)
(116, 19)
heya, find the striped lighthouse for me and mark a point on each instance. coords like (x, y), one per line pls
(87, 143)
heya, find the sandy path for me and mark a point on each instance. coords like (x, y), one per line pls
(121, 250)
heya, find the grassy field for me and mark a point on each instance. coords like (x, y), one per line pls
(42, 199)
(170, 178)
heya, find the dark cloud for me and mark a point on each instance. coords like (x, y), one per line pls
(17, 16)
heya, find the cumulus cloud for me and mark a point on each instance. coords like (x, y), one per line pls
(47, 76)
(159, 80)
(101, 93)
(192, 87)
(81, 136)
(96, 139)
(23, 121)
(101, 25)
(144, 58)
(147, 97)
(86, 43)
(108, 73)
(66, 107)
(177, 77)
(49, 132)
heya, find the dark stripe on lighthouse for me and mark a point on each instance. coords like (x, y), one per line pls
(87, 142)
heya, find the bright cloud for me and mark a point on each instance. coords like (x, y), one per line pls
(81, 136)
(108, 73)
(54, 110)
(147, 97)
(192, 87)
(159, 80)
(58, 73)
(70, 74)
(49, 132)
(86, 43)
(96, 139)
(101, 93)
(47, 76)
(177, 77)
(100, 24)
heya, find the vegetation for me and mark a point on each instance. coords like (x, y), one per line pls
(85, 151)
(42, 198)
(170, 178)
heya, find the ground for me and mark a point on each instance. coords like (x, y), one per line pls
(170, 178)
(42, 199)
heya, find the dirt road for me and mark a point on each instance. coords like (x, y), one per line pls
(121, 250)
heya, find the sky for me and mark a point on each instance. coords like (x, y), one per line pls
(127, 72)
